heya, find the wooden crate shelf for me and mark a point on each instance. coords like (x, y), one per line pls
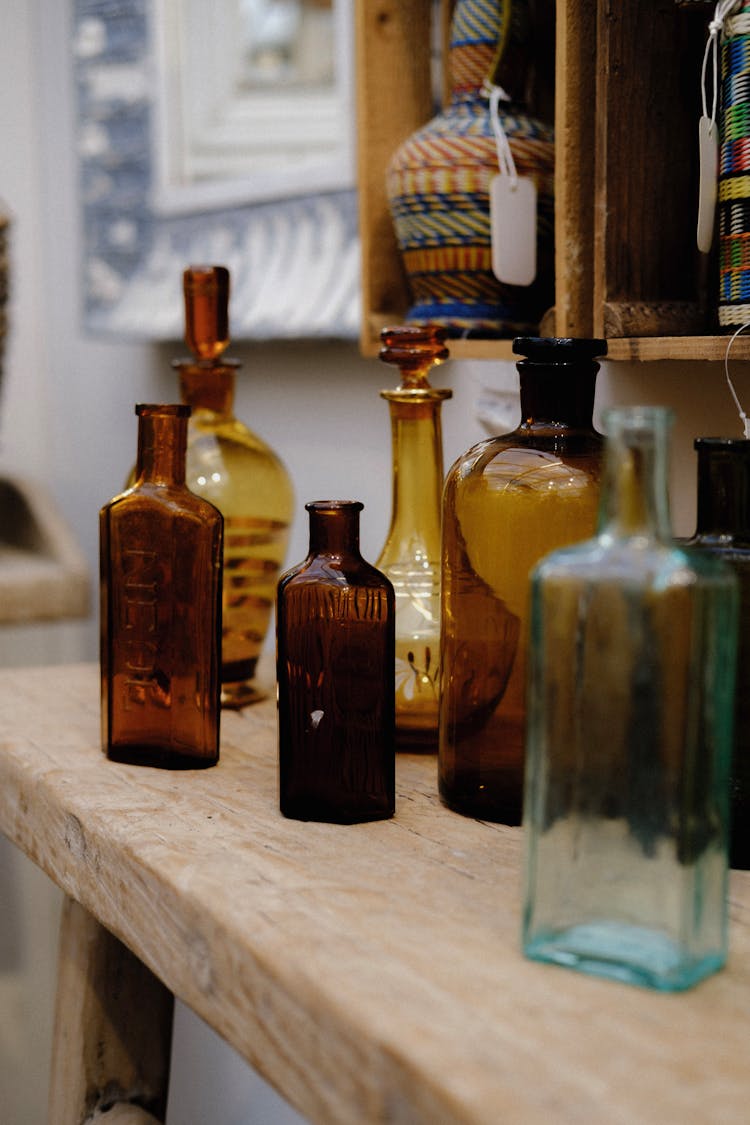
(626, 110)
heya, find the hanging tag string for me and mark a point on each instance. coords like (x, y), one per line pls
(715, 28)
(742, 414)
(505, 161)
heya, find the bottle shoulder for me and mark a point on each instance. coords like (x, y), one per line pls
(163, 501)
(499, 466)
(634, 561)
(526, 446)
(731, 547)
(225, 427)
(340, 571)
(231, 438)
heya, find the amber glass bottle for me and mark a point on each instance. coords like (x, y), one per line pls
(335, 626)
(161, 550)
(507, 502)
(240, 474)
(723, 529)
(411, 555)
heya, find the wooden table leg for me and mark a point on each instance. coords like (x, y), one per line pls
(112, 1032)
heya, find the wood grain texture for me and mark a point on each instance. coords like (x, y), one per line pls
(371, 972)
(393, 100)
(648, 58)
(685, 348)
(651, 318)
(574, 167)
(113, 1029)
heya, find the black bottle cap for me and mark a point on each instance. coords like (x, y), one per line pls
(559, 349)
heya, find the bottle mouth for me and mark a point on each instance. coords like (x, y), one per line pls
(559, 349)
(167, 410)
(721, 443)
(334, 506)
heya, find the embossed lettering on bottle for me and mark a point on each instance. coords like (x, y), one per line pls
(161, 607)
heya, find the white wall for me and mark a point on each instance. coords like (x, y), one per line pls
(67, 417)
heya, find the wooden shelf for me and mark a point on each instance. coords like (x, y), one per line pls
(684, 348)
(626, 264)
(371, 972)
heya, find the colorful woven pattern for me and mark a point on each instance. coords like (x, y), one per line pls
(438, 188)
(734, 171)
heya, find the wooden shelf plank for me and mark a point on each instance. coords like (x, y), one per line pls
(682, 348)
(371, 972)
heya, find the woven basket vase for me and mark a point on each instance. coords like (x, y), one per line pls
(734, 171)
(438, 185)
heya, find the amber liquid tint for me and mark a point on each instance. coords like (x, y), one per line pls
(506, 503)
(335, 623)
(411, 554)
(237, 471)
(160, 608)
(206, 291)
(243, 477)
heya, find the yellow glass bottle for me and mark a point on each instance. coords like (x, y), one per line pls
(411, 554)
(507, 502)
(239, 473)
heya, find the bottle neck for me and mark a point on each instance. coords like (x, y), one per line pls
(417, 448)
(162, 441)
(334, 527)
(635, 502)
(488, 42)
(207, 385)
(723, 488)
(558, 395)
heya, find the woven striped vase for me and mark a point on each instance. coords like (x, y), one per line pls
(438, 185)
(734, 171)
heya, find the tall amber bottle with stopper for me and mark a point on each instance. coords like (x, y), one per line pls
(411, 555)
(161, 551)
(238, 472)
(507, 502)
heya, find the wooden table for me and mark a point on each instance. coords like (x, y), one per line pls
(372, 973)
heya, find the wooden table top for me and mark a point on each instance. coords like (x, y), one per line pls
(371, 972)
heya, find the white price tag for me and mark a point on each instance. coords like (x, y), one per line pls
(708, 149)
(513, 222)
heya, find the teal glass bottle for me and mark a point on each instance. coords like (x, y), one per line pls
(631, 674)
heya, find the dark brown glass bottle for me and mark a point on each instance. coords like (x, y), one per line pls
(335, 618)
(507, 502)
(723, 528)
(160, 581)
